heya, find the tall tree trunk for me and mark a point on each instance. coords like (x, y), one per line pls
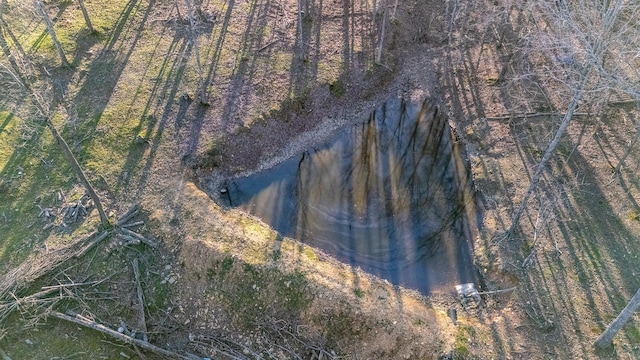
(202, 86)
(13, 37)
(63, 145)
(3, 41)
(79, 172)
(178, 11)
(47, 21)
(382, 29)
(628, 151)
(300, 27)
(606, 339)
(86, 15)
(7, 52)
(577, 95)
(12, 61)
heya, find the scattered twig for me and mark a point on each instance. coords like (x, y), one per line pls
(60, 286)
(268, 45)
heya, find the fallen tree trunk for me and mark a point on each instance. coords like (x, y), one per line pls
(606, 339)
(79, 172)
(142, 322)
(135, 235)
(81, 320)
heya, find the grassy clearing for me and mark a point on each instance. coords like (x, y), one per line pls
(32, 171)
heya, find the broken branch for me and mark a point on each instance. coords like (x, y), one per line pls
(81, 320)
(497, 291)
(139, 237)
(131, 212)
(93, 243)
(142, 322)
(132, 224)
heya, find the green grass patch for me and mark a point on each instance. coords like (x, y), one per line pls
(337, 88)
(461, 345)
(32, 170)
(310, 253)
(252, 291)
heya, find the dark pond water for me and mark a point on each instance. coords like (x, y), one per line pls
(390, 195)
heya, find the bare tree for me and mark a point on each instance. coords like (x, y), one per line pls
(5, 47)
(42, 104)
(202, 86)
(589, 45)
(6, 29)
(606, 339)
(633, 142)
(78, 170)
(49, 24)
(382, 30)
(177, 6)
(86, 15)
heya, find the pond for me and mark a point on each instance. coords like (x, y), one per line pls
(391, 195)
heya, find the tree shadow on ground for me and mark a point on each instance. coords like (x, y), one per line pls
(582, 229)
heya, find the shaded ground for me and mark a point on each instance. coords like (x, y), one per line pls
(230, 282)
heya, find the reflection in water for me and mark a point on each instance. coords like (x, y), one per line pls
(390, 195)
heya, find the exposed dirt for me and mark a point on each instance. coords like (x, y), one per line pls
(577, 235)
(239, 287)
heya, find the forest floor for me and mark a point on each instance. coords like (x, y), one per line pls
(223, 281)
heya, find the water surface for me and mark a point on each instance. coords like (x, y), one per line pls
(389, 195)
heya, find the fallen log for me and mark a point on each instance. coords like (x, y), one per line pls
(81, 320)
(131, 212)
(139, 237)
(93, 243)
(132, 224)
(142, 322)
(128, 240)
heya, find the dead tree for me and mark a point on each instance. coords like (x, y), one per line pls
(606, 339)
(6, 50)
(633, 142)
(586, 41)
(49, 24)
(77, 169)
(22, 75)
(202, 86)
(40, 103)
(13, 38)
(549, 153)
(85, 14)
(382, 30)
